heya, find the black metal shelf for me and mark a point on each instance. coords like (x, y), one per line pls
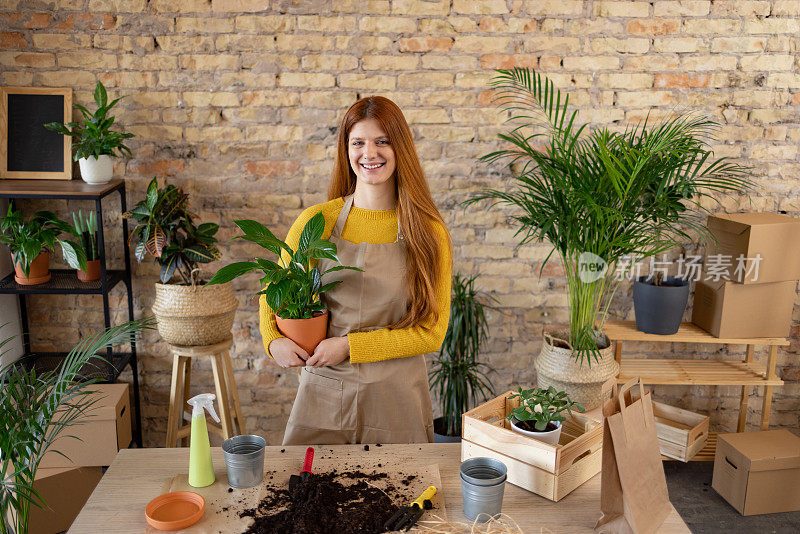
(65, 281)
(62, 282)
(51, 361)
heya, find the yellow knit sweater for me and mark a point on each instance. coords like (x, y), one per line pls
(383, 344)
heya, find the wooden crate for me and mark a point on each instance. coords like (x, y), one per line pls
(551, 471)
(681, 433)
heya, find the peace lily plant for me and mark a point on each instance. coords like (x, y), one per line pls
(599, 197)
(293, 285)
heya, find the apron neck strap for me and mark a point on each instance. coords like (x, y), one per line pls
(348, 205)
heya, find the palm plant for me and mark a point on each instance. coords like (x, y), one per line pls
(457, 377)
(35, 409)
(616, 195)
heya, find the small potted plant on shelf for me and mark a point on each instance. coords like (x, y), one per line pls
(659, 302)
(83, 254)
(190, 311)
(539, 414)
(457, 377)
(95, 140)
(31, 241)
(293, 286)
(35, 409)
(597, 199)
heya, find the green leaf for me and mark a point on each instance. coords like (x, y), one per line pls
(234, 270)
(260, 234)
(100, 95)
(312, 232)
(152, 195)
(168, 268)
(74, 254)
(201, 253)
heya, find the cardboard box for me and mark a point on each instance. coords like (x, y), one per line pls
(775, 237)
(65, 491)
(106, 430)
(551, 471)
(758, 472)
(728, 309)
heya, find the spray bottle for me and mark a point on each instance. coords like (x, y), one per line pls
(201, 470)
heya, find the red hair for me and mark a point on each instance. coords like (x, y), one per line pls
(416, 210)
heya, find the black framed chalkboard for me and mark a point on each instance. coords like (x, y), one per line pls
(27, 148)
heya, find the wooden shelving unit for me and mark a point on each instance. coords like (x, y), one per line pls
(747, 373)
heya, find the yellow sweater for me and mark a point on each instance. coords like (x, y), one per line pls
(383, 344)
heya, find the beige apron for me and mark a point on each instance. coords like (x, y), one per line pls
(377, 402)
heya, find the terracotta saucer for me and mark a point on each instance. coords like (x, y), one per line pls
(175, 510)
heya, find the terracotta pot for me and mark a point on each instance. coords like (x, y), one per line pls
(92, 272)
(305, 332)
(39, 272)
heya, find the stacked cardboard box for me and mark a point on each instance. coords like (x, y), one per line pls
(755, 297)
(65, 484)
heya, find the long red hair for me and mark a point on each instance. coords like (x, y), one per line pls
(416, 210)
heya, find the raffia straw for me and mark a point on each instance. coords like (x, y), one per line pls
(499, 524)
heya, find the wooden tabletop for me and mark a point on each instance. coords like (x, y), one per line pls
(139, 475)
(56, 188)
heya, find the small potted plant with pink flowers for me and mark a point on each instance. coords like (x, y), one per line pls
(540, 413)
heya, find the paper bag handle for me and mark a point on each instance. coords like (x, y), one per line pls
(623, 407)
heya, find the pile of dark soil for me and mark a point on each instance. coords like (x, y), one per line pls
(337, 502)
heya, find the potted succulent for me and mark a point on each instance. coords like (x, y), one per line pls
(95, 140)
(598, 198)
(35, 409)
(457, 377)
(659, 302)
(31, 242)
(293, 286)
(189, 312)
(539, 414)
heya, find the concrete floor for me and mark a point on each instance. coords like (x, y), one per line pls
(705, 512)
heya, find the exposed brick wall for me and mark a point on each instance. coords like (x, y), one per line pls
(238, 102)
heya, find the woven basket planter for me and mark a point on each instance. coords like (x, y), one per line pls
(556, 367)
(194, 315)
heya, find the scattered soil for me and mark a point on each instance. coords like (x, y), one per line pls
(529, 426)
(341, 502)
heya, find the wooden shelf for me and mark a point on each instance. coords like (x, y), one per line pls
(696, 372)
(687, 333)
(75, 189)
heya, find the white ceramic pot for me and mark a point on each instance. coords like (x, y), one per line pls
(96, 170)
(550, 437)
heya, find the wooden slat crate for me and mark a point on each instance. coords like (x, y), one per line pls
(551, 471)
(681, 433)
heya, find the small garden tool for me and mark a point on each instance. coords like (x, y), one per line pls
(407, 517)
(295, 480)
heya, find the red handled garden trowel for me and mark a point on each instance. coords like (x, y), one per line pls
(295, 480)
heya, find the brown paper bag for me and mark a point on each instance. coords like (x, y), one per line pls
(633, 491)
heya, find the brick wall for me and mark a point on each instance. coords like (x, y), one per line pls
(238, 102)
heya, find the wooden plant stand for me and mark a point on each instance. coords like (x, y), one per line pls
(747, 373)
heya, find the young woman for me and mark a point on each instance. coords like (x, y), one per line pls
(367, 382)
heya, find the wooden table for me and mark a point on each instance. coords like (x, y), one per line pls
(138, 475)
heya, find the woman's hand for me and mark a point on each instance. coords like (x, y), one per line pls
(287, 353)
(330, 352)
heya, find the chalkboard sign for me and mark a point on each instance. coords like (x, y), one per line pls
(27, 148)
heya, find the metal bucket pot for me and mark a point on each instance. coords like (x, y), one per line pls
(244, 460)
(482, 484)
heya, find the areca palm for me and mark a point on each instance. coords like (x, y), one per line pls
(635, 193)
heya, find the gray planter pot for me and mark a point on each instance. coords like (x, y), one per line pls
(659, 309)
(438, 425)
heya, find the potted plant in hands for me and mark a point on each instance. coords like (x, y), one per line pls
(95, 141)
(35, 409)
(189, 312)
(599, 198)
(539, 414)
(293, 286)
(458, 379)
(31, 242)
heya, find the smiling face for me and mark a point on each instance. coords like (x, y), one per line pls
(370, 153)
